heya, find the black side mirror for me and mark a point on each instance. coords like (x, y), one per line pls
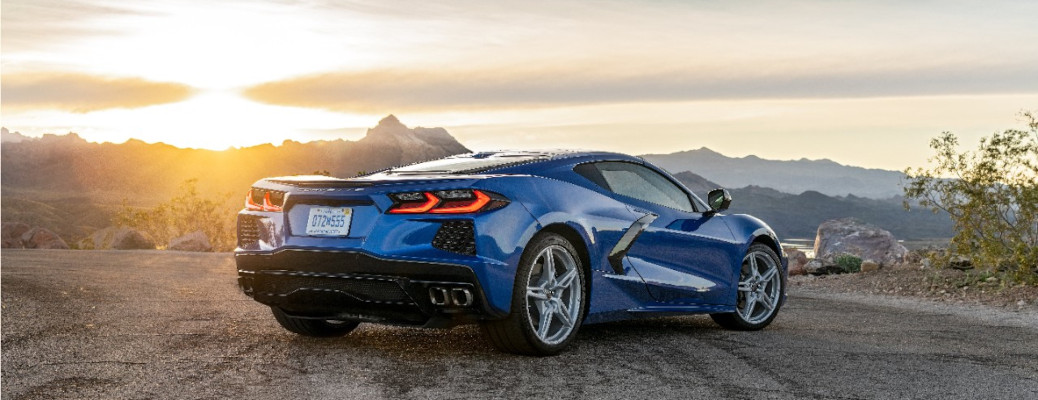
(719, 200)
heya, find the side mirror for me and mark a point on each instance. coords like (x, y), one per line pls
(719, 200)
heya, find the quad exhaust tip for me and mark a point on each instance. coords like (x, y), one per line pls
(446, 297)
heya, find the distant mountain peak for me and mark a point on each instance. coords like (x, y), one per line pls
(390, 121)
(411, 143)
(7, 136)
(705, 151)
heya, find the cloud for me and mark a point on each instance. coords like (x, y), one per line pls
(83, 93)
(400, 90)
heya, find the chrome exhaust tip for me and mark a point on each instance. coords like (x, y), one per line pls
(461, 297)
(439, 296)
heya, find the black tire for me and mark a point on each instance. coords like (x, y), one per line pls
(753, 320)
(313, 327)
(517, 333)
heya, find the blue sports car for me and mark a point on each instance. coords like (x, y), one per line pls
(530, 245)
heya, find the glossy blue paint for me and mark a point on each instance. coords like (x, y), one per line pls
(683, 262)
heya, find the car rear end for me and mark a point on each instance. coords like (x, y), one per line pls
(409, 248)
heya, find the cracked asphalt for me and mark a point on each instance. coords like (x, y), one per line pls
(152, 324)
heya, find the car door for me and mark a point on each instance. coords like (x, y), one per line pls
(684, 255)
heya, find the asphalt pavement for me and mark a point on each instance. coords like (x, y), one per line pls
(156, 324)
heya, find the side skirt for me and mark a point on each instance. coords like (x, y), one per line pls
(663, 310)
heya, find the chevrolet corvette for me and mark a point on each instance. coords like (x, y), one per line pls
(531, 245)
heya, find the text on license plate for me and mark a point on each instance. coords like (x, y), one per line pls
(329, 221)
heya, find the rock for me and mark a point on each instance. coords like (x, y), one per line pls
(42, 238)
(118, 238)
(869, 266)
(813, 267)
(866, 241)
(797, 260)
(11, 235)
(194, 241)
(820, 267)
(961, 263)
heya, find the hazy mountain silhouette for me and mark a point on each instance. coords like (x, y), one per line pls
(73, 186)
(798, 215)
(7, 136)
(67, 181)
(797, 176)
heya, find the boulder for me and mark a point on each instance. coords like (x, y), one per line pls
(194, 241)
(42, 238)
(797, 261)
(118, 238)
(866, 241)
(11, 235)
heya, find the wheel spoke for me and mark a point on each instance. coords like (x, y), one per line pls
(548, 269)
(766, 301)
(745, 286)
(753, 266)
(747, 308)
(566, 279)
(536, 292)
(545, 321)
(562, 312)
(769, 274)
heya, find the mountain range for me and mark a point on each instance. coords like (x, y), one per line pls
(73, 186)
(798, 215)
(797, 176)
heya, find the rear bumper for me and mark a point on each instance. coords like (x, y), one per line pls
(357, 286)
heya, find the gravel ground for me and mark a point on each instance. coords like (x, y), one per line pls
(142, 325)
(942, 285)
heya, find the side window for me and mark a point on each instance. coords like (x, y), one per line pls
(636, 181)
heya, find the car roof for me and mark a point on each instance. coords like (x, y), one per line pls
(477, 162)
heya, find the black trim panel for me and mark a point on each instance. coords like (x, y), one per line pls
(616, 255)
(337, 269)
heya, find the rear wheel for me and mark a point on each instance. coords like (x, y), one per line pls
(313, 327)
(761, 288)
(548, 300)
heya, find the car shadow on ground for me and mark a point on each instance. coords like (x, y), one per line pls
(469, 340)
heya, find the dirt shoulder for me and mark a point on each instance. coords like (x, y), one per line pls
(914, 281)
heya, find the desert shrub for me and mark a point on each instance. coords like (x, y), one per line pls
(184, 213)
(848, 262)
(991, 195)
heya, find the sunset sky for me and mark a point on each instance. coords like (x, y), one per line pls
(860, 82)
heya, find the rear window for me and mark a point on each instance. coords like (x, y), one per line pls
(469, 164)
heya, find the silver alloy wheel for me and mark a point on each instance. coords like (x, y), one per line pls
(553, 294)
(760, 286)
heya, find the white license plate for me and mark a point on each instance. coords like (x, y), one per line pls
(329, 221)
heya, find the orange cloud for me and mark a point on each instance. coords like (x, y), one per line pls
(401, 90)
(83, 93)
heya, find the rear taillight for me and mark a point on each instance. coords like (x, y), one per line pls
(260, 200)
(462, 201)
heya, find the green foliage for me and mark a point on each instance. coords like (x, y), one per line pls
(992, 196)
(185, 213)
(848, 262)
(322, 172)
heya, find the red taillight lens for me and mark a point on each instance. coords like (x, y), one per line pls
(416, 207)
(445, 202)
(251, 204)
(268, 205)
(464, 206)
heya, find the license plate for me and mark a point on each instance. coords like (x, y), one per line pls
(329, 221)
